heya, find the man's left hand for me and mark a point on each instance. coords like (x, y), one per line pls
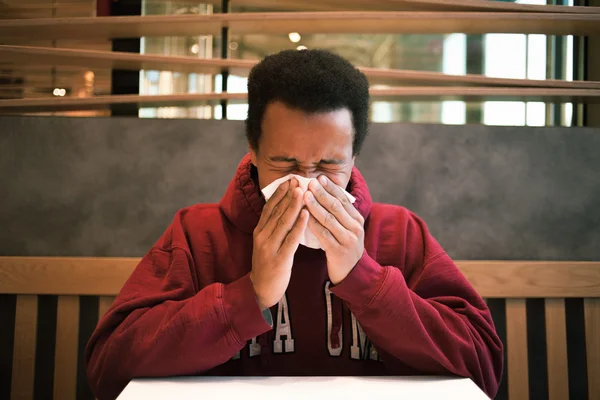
(338, 226)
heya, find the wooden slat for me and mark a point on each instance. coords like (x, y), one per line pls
(433, 93)
(23, 367)
(556, 349)
(482, 6)
(46, 8)
(492, 279)
(398, 5)
(306, 22)
(21, 12)
(119, 60)
(65, 358)
(592, 339)
(100, 102)
(48, 5)
(541, 279)
(36, 56)
(104, 303)
(516, 349)
(394, 77)
(64, 275)
(24, 10)
(478, 94)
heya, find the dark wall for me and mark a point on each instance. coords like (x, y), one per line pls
(106, 187)
(494, 192)
(110, 186)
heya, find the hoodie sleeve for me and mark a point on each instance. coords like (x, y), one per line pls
(428, 318)
(162, 324)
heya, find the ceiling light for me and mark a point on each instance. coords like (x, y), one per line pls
(295, 37)
(58, 92)
(299, 48)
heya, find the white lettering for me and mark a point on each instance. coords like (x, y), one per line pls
(360, 344)
(357, 334)
(254, 348)
(283, 328)
(373, 354)
(328, 299)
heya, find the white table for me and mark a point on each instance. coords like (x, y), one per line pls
(303, 388)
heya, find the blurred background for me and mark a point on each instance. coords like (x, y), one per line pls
(495, 55)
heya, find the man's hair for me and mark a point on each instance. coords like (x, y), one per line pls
(312, 81)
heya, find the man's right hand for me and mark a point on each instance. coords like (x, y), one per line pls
(276, 239)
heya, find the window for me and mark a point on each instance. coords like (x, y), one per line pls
(495, 55)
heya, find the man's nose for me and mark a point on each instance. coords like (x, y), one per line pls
(308, 174)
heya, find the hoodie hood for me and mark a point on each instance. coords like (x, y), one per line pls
(243, 202)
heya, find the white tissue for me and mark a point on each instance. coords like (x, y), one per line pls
(309, 240)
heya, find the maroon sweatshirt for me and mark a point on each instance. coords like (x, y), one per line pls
(189, 307)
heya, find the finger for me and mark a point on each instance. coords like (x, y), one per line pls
(276, 214)
(277, 197)
(340, 194)
(334, 206)
(292, 240)
(325, 218)
(284, 224)
(328, 241)
(276, 204)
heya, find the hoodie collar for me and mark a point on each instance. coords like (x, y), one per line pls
(243, 202)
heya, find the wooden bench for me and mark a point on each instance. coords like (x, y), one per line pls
(70, 278)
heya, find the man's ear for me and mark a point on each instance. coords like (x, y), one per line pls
(253, 155)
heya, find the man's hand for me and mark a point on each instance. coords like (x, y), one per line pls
(338, 226)
(276, 239)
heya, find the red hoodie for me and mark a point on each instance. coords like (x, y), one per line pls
(189, 307)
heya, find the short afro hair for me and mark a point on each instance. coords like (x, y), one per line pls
(313, 81)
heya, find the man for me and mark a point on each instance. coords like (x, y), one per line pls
(380, 298)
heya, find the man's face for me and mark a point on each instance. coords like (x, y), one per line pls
(310, 145)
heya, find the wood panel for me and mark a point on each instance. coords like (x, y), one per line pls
(98, 28)
(592, 338)
(106, 276)
(516, 348)
(104, 303)
(36, 56)
(65, 358)
(23, 367)
(556, 349)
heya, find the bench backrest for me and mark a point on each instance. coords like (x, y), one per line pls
(70, 279)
